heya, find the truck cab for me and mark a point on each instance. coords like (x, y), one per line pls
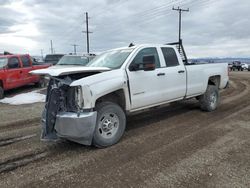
(14, 72)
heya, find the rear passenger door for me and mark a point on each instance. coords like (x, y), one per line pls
(14, 71)
(26, 77)
(174, 82)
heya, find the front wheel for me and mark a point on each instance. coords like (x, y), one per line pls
(110, 124)
(210, 99)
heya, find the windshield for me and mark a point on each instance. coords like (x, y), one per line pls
(52, 57)
(3, 61)
(73, 60)
(111, 59)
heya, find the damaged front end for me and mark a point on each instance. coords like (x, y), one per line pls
(64, 115)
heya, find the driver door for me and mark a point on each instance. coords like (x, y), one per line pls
(145, 89)
(14, 72)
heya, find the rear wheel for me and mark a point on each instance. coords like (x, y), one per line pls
(110, 124)
(1, 92)
(210, 100)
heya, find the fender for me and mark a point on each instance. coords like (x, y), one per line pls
(101, 84)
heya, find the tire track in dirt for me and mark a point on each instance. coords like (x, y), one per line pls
(23, 160)
(144, 152)
(240, 93)
(235, 87)
(8, 141)
(20, 124)
(195, 169)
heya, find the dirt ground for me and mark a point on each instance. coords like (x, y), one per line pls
(175, 146)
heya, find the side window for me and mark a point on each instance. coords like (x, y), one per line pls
(170, 57)
(25, 61)
(147, 51)
(13, 63)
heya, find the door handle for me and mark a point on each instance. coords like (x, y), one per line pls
(161, 74)
(181, 71)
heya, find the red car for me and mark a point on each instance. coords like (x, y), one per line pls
(14, 72)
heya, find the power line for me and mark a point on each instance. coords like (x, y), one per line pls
(146, 16)
(87, 30)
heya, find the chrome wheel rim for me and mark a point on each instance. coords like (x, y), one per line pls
(108, 125)
(213, 100)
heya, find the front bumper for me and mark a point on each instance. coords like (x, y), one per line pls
(78, 128)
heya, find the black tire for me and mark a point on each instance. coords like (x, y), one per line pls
(1, 93)
(41, 83)
(109, 116)
(210, 100)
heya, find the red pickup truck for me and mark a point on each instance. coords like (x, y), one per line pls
(14, 72)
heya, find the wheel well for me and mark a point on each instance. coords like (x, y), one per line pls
(117, 97)
(214, 80)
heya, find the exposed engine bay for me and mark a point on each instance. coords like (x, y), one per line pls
(61, 97)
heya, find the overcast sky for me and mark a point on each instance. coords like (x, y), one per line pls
(212, 28)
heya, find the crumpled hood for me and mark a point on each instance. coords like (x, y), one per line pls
(65, 70)
(117, 75)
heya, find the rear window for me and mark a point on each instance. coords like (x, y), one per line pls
(25, 61)
(170, 57)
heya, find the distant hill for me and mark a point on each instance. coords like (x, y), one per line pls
(220, 60)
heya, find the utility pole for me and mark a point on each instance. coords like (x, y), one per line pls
(75, 45)
(42, 54)
(180, 12)
(51, 46)
(87, 30)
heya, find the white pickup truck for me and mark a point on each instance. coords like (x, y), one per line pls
(89, 104)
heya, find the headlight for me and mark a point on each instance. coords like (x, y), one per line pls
(79, 97)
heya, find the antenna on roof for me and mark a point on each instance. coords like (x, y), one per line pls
(131, 45)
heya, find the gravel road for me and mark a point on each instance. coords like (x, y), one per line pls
(174, 146)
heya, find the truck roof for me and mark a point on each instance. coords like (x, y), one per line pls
(141, 45)
(14, 55)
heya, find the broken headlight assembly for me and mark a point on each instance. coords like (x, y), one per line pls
(79, 98)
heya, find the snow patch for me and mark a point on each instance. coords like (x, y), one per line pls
(25, 98)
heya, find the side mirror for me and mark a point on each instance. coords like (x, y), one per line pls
(134, 67)
(148, 63)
